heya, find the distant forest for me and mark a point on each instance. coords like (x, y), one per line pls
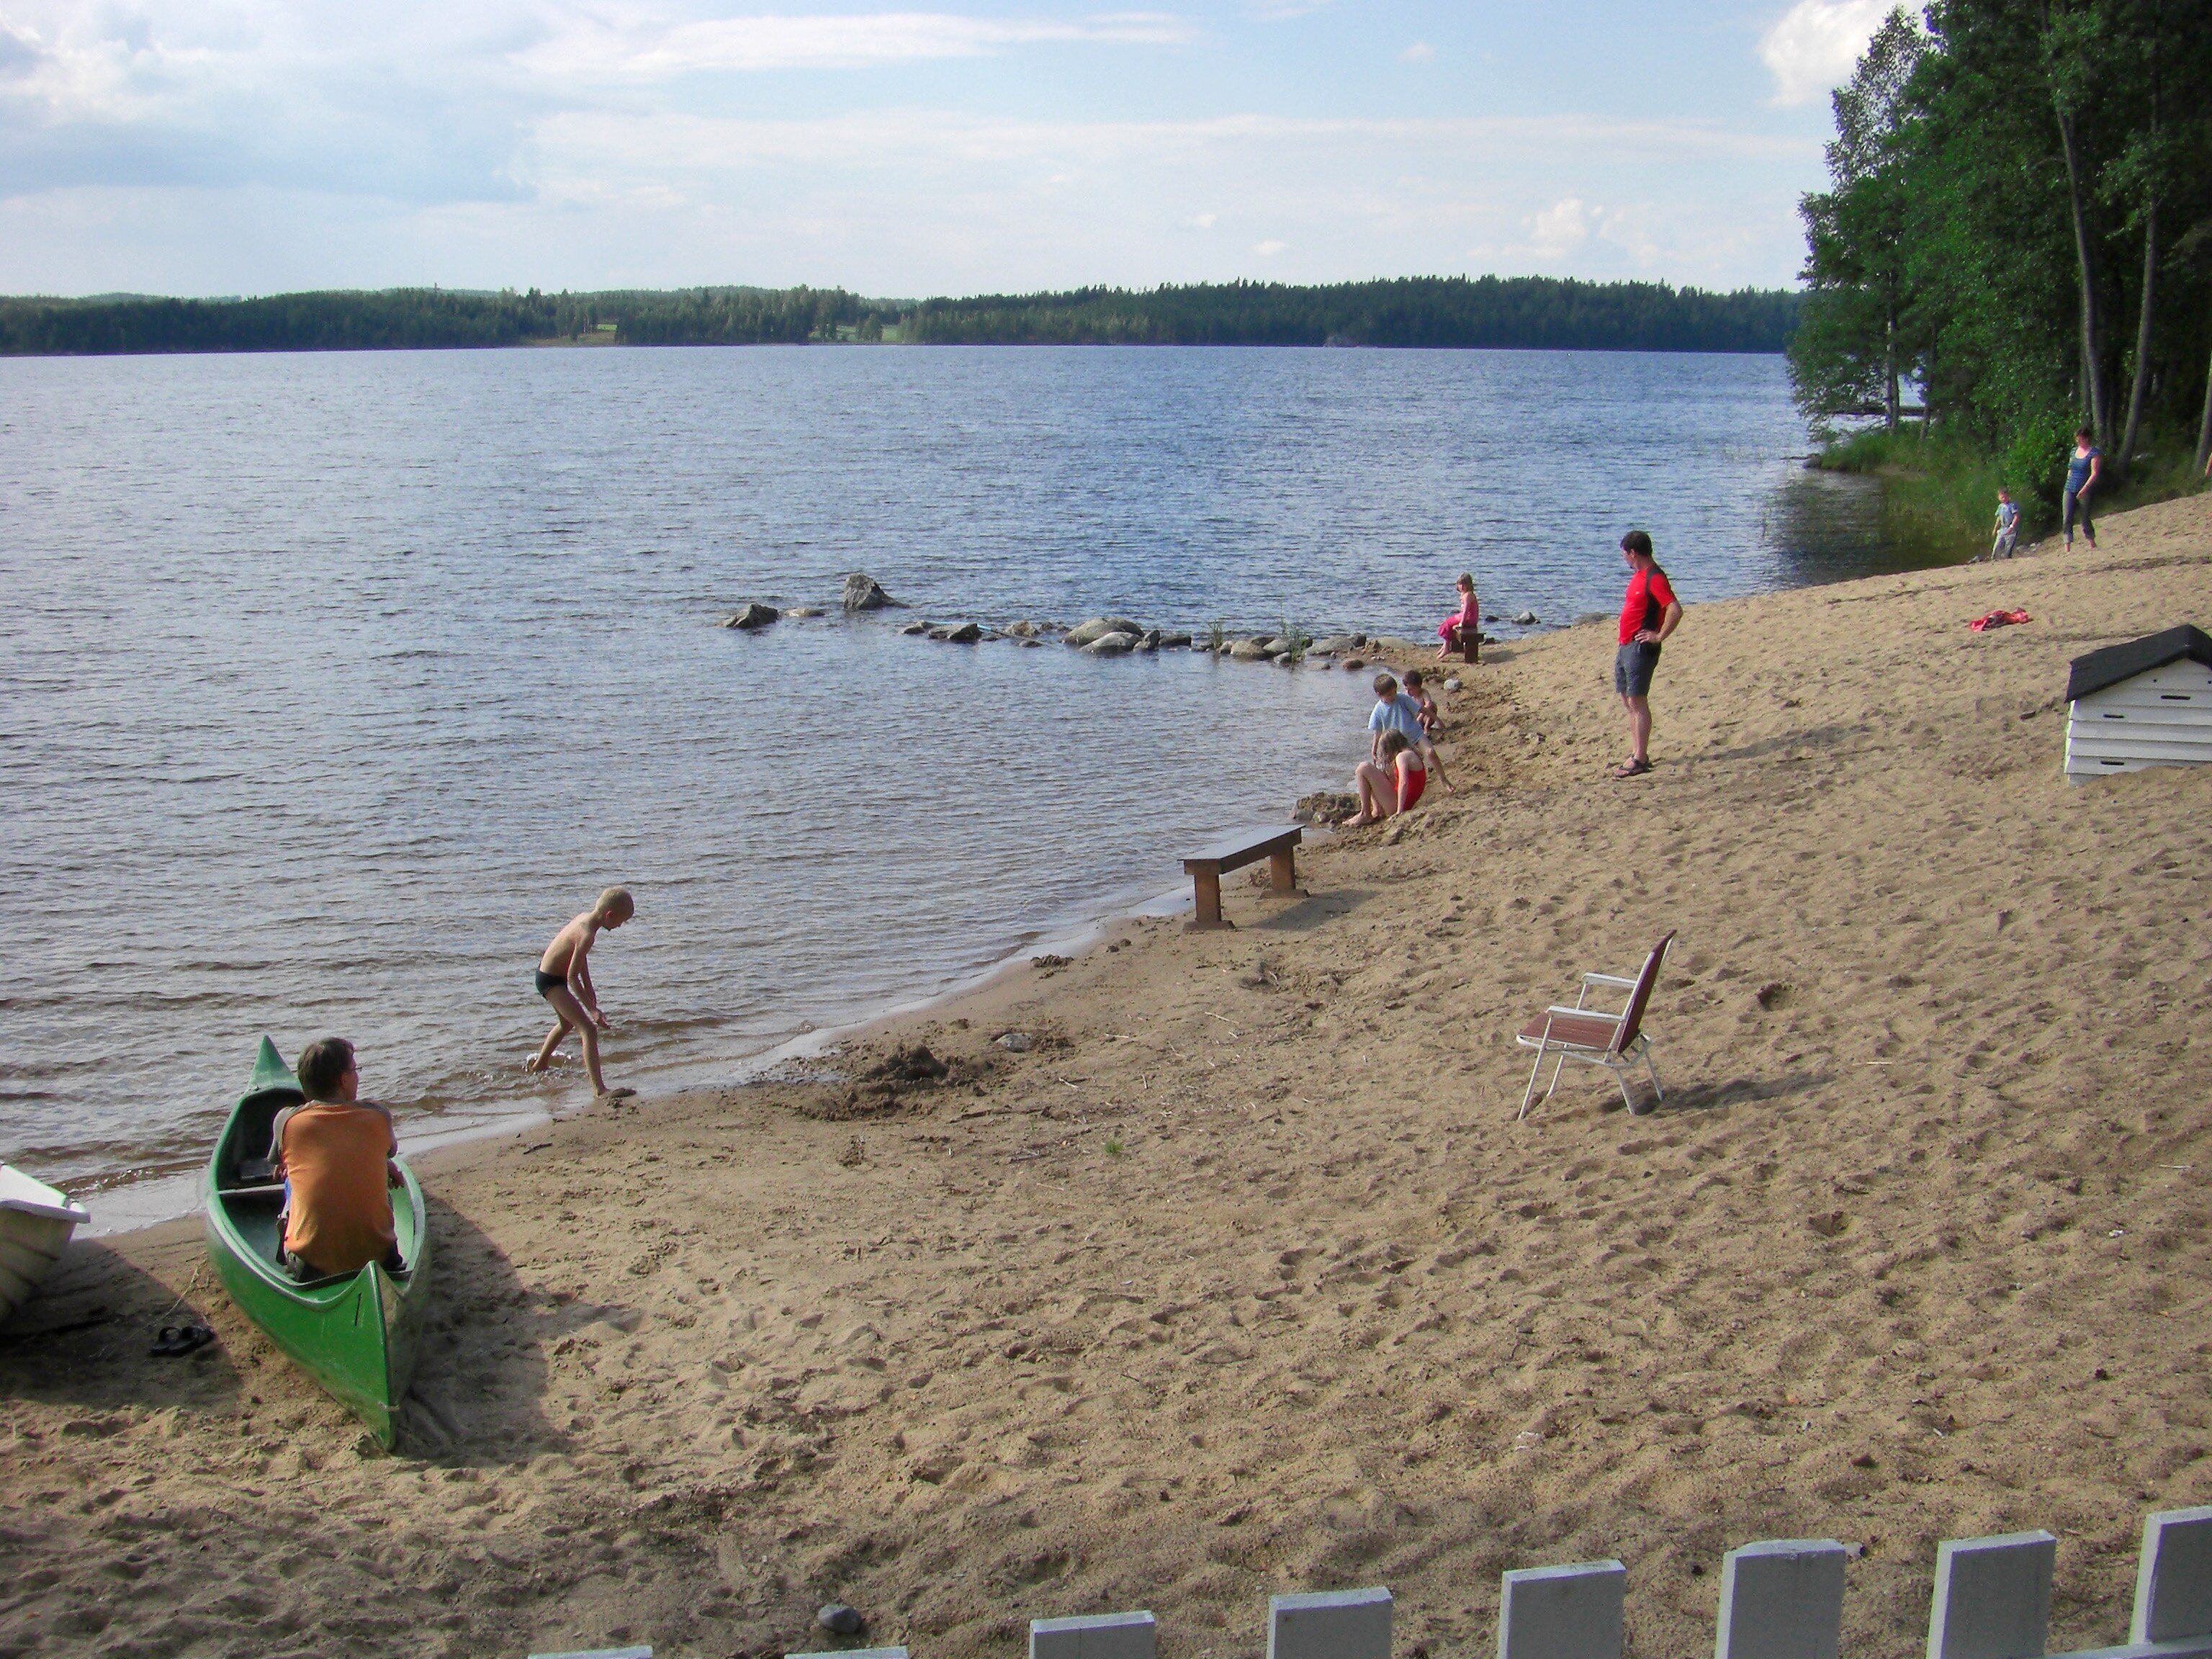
(1519, 311)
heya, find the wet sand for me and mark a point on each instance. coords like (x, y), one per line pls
(1244, 1279)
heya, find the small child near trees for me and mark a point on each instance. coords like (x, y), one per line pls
(2007, 527)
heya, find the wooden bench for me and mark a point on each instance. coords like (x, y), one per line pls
(1207, 866)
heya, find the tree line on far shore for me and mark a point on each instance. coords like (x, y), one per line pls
(2019, 224)
(1456, 312)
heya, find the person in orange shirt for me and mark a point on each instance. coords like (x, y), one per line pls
(334, 1155)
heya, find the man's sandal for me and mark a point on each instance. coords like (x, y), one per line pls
(1631, 769)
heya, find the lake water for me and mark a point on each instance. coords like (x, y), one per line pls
(329, 685)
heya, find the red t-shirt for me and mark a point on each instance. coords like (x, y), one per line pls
(1649, 593)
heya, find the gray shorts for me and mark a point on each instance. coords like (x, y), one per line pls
(1632, 669)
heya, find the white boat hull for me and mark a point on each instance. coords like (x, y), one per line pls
(36, 1221)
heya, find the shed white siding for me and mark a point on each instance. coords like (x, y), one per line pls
(2161, 718)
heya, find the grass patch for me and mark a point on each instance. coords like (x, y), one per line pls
(1945, 490)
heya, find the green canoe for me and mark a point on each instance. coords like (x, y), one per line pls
(355, 1333)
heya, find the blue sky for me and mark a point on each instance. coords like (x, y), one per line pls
(256, 146)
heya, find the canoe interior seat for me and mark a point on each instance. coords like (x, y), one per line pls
(246, 1157)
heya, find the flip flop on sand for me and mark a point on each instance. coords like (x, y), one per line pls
(623, 1093)
(173, 1339)
(1634, 768)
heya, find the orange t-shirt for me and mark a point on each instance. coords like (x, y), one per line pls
(339, 1214)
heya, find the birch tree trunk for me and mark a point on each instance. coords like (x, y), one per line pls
(2204, 426)
(2084, 259)
(2140, 387)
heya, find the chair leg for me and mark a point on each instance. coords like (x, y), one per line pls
(1531, 1088)
(1620, 1076)
(1654, 1070)
(1556, 1070)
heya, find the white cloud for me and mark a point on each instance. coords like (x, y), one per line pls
(1570, 226)
(1419, 52)
(1816, 44)
(1268, 250)
(1203, 221)
(1560, 228)
(593, 47)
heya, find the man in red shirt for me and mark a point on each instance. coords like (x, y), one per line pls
(1649, 614)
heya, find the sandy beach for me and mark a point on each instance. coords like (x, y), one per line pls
(1243, 1278)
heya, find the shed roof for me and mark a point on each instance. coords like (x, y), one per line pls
(2116, 663)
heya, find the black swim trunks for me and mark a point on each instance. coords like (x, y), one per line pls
(1632, 669)
(546, 981)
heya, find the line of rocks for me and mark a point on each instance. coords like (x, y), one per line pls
(1103, 636)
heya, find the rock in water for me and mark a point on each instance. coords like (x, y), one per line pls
(1099, 627)
(1251, 651)
(1335, 645)
(1024, 630)
(752, 615)
(1525, 619)
(963, 633)
(865, 593)
(802, 610)
(915, 628)
(839, 1619)
(1174, 642)
(1111, 645)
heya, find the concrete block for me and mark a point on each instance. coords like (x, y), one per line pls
(2173, 1581)
(1562, 1612)
(1992, 1596)
(1782, 1598)
(1102, 1636)
(1330, 1625)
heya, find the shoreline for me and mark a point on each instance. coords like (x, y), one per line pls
(1245, 1278)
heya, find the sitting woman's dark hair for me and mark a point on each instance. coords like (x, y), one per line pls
(322, 1064)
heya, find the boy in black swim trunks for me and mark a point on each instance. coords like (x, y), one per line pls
(1648, 613)
(564, 978)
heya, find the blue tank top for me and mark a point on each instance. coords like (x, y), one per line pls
(2078, 471)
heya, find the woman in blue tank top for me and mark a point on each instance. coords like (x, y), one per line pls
(2085, 468)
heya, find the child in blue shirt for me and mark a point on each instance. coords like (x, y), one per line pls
(2008, 527)
(1397, 711)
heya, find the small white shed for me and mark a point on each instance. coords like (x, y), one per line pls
(2147, 702)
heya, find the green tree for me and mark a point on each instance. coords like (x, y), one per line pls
(1851, 349)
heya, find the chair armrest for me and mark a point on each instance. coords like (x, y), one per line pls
(1583, 1013)
(1609, 979)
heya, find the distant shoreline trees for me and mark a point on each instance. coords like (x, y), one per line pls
(1528, 312)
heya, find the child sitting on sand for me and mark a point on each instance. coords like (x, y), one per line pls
(1392, 787)
(1432, 717)
(1462, 630)
(564, 978)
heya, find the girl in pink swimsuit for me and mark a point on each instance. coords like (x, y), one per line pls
(1394, 786)
(1462, 632)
